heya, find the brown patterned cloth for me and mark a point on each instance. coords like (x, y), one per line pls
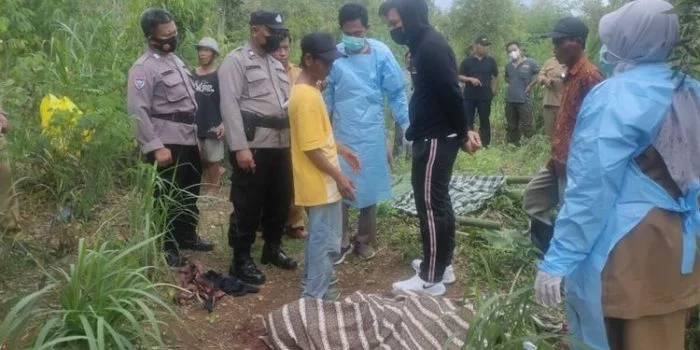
(368, 321)
(579, 80)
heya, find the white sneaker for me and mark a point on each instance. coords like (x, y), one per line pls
(447, 278)
(416, 284)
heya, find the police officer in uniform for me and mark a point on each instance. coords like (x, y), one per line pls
(161, 99)
(254, 89)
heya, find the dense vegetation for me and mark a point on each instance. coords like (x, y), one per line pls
(83, 48)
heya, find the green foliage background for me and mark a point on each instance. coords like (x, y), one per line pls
(84, 48)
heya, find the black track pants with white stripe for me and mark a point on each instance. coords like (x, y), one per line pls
(431, 171)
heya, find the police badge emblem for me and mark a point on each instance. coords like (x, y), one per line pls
(139, 82)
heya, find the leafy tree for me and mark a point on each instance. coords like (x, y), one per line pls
(687, 57)
(469, 18)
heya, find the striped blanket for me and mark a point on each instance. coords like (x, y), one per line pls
(469, 193)
(368, 321)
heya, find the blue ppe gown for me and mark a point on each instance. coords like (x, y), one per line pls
(355, 93)
(607, 194)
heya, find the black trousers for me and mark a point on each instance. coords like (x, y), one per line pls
(260, 199)
(483, 107)
(179, 191)
(431, 173)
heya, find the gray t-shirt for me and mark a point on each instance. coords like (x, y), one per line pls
(518, 78)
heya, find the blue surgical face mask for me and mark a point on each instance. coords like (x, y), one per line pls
(607, 67)
(353, 44)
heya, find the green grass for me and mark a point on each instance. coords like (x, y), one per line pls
(508, 160)
(108, 297)
(105, 300)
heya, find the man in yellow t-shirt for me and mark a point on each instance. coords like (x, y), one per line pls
(319, 184)
(295, 221)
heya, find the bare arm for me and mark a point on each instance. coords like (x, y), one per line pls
(469, 80)
(350, 157)
(321, 162)
(345, 186)
(529, 87)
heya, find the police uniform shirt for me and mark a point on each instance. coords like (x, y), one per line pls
(161, 84)
(257, 84)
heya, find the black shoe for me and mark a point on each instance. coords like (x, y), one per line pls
(201, 245)
(278, 258)
(174, 259)
(247, 272)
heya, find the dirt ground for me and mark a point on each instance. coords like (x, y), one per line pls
(236, 323)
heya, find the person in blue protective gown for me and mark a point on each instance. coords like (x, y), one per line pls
(625, 240)
(355, 96)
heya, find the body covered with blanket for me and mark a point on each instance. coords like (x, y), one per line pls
(369, 321)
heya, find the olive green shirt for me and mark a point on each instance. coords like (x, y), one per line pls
(554, 71)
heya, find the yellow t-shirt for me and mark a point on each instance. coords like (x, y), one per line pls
(310, 129)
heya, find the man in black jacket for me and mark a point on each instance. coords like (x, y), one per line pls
(438, 130)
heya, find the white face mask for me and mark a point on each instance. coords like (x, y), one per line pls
(514, 54)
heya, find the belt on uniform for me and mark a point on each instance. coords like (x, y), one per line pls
(252, 121)
(178, 117)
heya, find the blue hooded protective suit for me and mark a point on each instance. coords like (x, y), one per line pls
(354, 95)
(607, 194)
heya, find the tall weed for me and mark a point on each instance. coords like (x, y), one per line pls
(107, 298)
(504, 321)
(83, 50)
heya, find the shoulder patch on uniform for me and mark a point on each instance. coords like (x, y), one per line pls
(142, 59)
(238, 54)
(139, 82)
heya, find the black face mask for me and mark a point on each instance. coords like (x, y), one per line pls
(171, 42)
(272, 43)
(399, 36)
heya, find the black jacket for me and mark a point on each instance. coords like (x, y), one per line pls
(436, 108)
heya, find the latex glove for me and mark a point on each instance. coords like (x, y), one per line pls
(547, 289)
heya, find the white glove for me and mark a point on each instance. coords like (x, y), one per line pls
(547, 289)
